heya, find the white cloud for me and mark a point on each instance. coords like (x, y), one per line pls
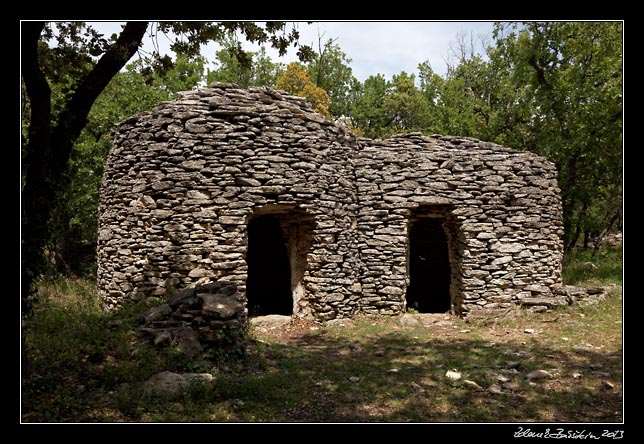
(391, 47)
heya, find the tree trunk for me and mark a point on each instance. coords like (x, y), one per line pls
(586, 238)
(569, 201)
(575, 235)
(36, 194)
(48, 149)
(601, 236)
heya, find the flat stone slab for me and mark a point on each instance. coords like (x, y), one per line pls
(409, 319)
(425, 319)
(220, 306)
(269, 322)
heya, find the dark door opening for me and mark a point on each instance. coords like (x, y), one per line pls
(429, 269)
(268, 287)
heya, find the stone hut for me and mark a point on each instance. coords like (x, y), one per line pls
(253, 187)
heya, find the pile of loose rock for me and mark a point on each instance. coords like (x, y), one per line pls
(207, 316)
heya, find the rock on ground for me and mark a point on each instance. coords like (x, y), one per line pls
(170, 385)
(270, 322)
(495, 389)
(471, 385)
(538, 374)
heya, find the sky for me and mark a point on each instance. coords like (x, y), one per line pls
(391, 47)
(374, 47)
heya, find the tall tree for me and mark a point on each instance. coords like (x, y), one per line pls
(574, 72)
(407, 108)
(259, 70)
(296, 81)
(88, 61)
(464, 98)
(367, 110)
(330, 69)
(431, 87)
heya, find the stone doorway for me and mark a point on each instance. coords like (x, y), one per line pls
(429, 264)
(268, 287)
(279, 240)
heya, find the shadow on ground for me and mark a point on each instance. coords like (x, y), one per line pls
(368, 371)
(394, 377)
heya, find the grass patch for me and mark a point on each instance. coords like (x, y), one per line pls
(605, 268)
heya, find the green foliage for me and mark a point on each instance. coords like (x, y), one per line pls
(259, 69)
(67, 52)
(382, 108)
(186, 74)
(464, 99)
(201, 33)
(405, 105)
(329, 69)
(571, 74)
(367, 110)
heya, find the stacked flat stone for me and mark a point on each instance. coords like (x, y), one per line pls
(208, 316)
(183, 181)
(502, 208)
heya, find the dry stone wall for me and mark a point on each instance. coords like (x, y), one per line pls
(500, 209)
(183, 181)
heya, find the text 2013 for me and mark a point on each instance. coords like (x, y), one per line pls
(614, 434)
